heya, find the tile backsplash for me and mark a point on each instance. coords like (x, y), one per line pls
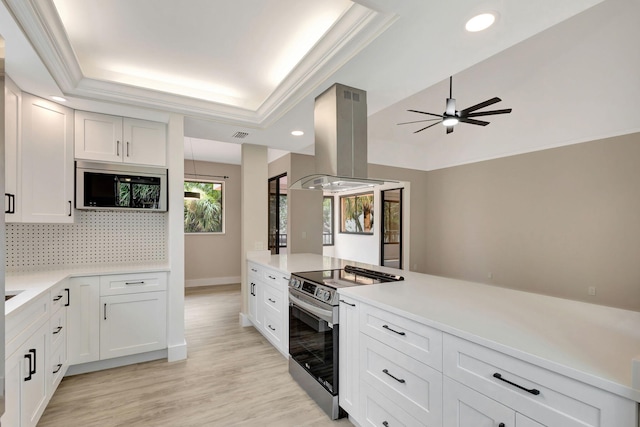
(103, 237)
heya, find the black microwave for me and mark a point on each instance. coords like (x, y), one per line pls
(109, 186)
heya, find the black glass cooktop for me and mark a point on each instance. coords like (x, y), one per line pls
(349, 276)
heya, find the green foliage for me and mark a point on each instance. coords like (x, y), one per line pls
(203, 215)
(143, 195)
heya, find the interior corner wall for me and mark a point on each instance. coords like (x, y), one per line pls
(214, 258)
(555, 222)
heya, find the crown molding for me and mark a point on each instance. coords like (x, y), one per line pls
(354, 30)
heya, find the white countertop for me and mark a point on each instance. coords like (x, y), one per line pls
(34, 283)
(591, 343)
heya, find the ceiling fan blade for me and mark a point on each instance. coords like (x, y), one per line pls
(479, 106)
(473, 122)
(427, 127)
(418, 121)
(424, 112)
(489, 113)
(449, 129)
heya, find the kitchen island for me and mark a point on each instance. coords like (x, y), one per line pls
(574, 347)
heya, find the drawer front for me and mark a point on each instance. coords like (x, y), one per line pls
(273, 328)
(58, 328)
(59, 296)
(57, 367)
(273, 299)
(21, 325)
(117, 284)
(254, 271)
(413, 386)
(378, 411)
(415, 339)
(551, 399)
(276, 278)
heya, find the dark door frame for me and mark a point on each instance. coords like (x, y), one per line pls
(382, 222)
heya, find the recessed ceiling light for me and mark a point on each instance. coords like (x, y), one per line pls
(58, 98)
(480, 22)
(297, 133)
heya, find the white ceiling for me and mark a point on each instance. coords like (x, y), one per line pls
(256, 66)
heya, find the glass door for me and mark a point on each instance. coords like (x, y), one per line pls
(278, 214)
(391, 224)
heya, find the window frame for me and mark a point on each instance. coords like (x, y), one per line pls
(222, 207)
(333, 220)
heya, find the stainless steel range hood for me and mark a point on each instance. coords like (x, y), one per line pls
(340, 126)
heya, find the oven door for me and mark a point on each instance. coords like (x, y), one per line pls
(313, 339)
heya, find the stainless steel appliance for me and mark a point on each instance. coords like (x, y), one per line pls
(314, 329)
(120, 187)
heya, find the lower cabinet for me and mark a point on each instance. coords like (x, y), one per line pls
(348, 357)
(116, 315)
(465, 407)
(26, 381)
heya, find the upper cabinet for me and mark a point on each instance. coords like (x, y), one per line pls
(13, 102)
(108, 138)
(45, 162)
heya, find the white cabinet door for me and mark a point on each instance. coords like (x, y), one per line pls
(83, 320)
(254, 288)
(464, 407)
(348, 356)
(132, 323)
(46, 157)
(12, 384)
(145, 142)
(33, 393)
(98, 137)
(13, 102)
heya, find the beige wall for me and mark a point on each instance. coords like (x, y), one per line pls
(215, 258)
(555, 222)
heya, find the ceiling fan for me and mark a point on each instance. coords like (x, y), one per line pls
(452, 117)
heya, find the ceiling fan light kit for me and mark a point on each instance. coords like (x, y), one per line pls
(452, 117)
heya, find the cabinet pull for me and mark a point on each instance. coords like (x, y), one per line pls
(348, 303)
(57, 331)
(400, 380)
(271, 277)
(386, 424)
(270, 300)
(118, 148)
(253, 289)
(501, 425)
(127, 148)
(254, 270)
(528, 390)
(68, 297)
(285, 278)
(271, 327)
(58, 367)
(393, 330)
(141, 282)
(70, 207)
(28, 356)
(11, 203)
(57, 298)
(105, 311)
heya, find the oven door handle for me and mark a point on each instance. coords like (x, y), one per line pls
(326, 315)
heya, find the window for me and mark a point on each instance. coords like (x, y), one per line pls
(204, 215)
(327, 221)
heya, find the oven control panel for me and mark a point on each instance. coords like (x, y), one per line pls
(319, 292)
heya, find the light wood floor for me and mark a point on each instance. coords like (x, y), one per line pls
(232, 377)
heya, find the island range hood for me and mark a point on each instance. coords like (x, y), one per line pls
(340, 126)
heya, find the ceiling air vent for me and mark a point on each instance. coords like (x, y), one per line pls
(240, 135)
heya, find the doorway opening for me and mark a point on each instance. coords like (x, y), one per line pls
(391, 228)
(278, 214)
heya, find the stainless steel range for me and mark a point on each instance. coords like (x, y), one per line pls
(314, 329)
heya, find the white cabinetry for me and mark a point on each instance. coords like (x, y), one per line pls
(83, 319)
(117, 315)
(45, 162)
(108, 138)
(268, 304)
(349, 362)
(13, 102)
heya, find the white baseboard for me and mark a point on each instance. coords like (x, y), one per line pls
(245, 321)
(177, 352)
(212, 281)
(100, 365)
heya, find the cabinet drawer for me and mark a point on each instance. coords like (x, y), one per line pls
(59, 296)
(273, 299)
(118, 284)
(415, 339)
(273, 328)
(276, 278)
(57, 367)
(551, 399)
(24, 323)
(254, 271)
(413, 386)
(378, 411)
(58, 328)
